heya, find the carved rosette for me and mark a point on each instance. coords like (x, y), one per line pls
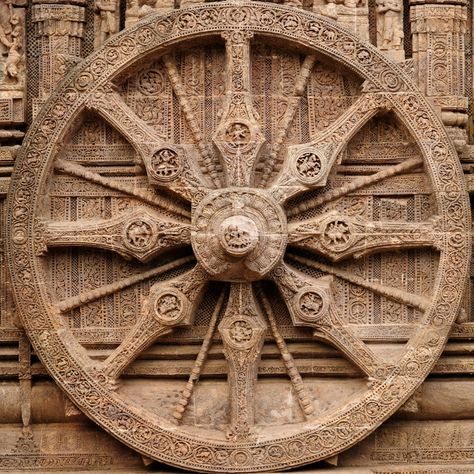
(239, 235)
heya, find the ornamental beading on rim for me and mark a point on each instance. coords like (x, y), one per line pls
(239, 234)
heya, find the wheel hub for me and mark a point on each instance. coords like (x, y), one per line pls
(239, 234)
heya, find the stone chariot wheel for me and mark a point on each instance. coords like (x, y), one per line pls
(252, 197)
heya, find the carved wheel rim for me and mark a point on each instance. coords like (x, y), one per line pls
(171, 305)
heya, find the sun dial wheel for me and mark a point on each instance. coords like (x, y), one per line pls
(234, 255)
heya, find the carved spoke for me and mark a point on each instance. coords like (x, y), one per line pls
(170, 304)
(238, 137)
(243, 333)
(107, 290)
(200, 360)
(140, 234)
(288, 117)
(357, 183)
(311, 303)
(73, 169)
(396, 294)
(208, 164)
(303, 399)
(337, 236)
(168, 165)
(308, 165)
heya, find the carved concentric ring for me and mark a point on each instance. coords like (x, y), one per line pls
(246, 224)
(148, 433)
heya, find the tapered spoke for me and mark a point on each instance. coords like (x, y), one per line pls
(199, 362)
(238, 137)
(168, 165)
(111, 106)
(337, 236)
(308, 165)
(293, 102)
(140, 234)
(73, 169)
(354, 185)
(295, 377)
(311, 304)
(206, 157)
(169, 305)
(243, 333)
(106, 290)
(395, 294)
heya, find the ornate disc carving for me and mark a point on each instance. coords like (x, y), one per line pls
(246, 223)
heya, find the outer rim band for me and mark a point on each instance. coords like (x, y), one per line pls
(65, 359)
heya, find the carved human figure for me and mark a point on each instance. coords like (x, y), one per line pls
(351, 3)
(136, 11)
(106, 10)
(389, 24)
(11, 38)
(12, 63)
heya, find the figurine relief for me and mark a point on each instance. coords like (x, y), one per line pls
(11, 39)
(351, 14)
(107, 13)
(331, 9)
(389, 24)
(138, 10)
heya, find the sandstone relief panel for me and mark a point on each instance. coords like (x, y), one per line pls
(238, 237)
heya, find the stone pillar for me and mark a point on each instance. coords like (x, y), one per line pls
(59, 29)
(438, 34)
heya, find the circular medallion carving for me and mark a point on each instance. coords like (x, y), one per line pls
(240, 332)
(311, 305)
(336, 234)
(308, 166)
(165, 164)
(139, 234)
(151, 82)
(239, 235)
(168, 307)
(237, 134)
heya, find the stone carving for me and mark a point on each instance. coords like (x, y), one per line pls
(12, 45)
(352, 14)
(218, 216)
(390, 27)
(60, 31)
(107, 19)
(12, 63)
(439, 65)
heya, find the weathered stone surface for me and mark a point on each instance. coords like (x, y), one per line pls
(237, 235)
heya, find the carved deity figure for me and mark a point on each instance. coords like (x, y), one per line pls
(106, 10)
(11, 39)
(136, 11)
(389, 26)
